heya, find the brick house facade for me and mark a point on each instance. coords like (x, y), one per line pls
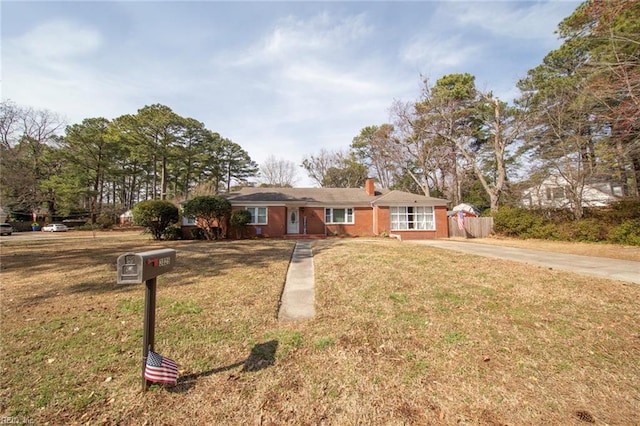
(320, 212)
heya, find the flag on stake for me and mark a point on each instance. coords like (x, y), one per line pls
(461, 220)
(160, 369)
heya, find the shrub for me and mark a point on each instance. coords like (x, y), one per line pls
(198, 234)
(625, 209)
(105, 221)
(618, 224)
(155, 215)
(628, 232)
(210, 213)
(240, 219)
(589, 230)
(87, 227)
(173, 232)
(545, 231)
(522, 223)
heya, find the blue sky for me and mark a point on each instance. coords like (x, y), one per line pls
(278, 78)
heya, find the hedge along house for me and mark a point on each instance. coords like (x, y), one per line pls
(320, 212)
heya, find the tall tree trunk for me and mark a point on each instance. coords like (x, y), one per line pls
(163, 179)
(635, 161)
(155, 178)
(622, 172)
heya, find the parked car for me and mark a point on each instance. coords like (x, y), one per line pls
(55, 227)
(6, 229)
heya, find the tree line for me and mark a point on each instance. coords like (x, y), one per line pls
(105, 166)
(577, 117)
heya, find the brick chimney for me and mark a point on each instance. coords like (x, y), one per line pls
(369, 186)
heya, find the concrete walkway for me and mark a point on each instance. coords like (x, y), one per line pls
(298, 297)
(623, 270)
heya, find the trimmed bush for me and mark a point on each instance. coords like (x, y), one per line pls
(239, 220)
(155, 215)
(210, 212)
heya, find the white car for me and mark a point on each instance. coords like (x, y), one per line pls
(55, 227)
(5, 229)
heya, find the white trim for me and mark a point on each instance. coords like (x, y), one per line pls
(404, 218)
(346, 214)
(255, 214)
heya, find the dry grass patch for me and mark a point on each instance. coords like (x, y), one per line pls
(404, 334)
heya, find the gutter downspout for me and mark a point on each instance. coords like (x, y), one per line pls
(374, 214)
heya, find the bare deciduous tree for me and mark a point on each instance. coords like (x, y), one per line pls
(318, 165)
(278, 172)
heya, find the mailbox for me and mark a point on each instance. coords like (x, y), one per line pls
(136, 268)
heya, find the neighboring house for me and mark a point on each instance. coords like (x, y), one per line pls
(126, 218)
(319, 212)
(467, 209)
(554, 192)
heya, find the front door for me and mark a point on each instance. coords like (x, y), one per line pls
(293, 220)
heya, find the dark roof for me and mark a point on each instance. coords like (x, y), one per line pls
(402, 198)
(328, 197)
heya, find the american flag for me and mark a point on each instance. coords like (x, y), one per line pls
(460, 220)
(160, 369)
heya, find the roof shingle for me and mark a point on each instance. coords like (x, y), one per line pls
(328, 197)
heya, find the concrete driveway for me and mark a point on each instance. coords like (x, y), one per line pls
(622, 270)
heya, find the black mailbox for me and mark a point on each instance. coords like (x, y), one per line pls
(136, 268)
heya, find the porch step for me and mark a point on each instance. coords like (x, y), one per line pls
(304, 236)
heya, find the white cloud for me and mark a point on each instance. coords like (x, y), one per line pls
(438, 52)
(48, 67)
(520, 20)
(58, 40)
(328, 78)
(308, 73)
(323, 35)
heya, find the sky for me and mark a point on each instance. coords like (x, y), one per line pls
(283, 79)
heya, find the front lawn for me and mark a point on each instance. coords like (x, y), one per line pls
(404, 334)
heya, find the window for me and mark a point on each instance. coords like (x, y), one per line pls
(188, 220)
(258, 215)
(555, 193)
(332, 215)
(412, 218)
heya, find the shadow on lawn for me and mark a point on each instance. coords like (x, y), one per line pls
(262, 355)
(194, 261)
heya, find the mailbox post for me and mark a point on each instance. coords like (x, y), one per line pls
(136, 268)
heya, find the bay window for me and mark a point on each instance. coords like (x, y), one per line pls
(412, 218)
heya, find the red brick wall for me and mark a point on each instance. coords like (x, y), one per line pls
(442, 225)
(384, 220)
(276, 225)
(364, 224)
(442, 222)
(315, 220)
